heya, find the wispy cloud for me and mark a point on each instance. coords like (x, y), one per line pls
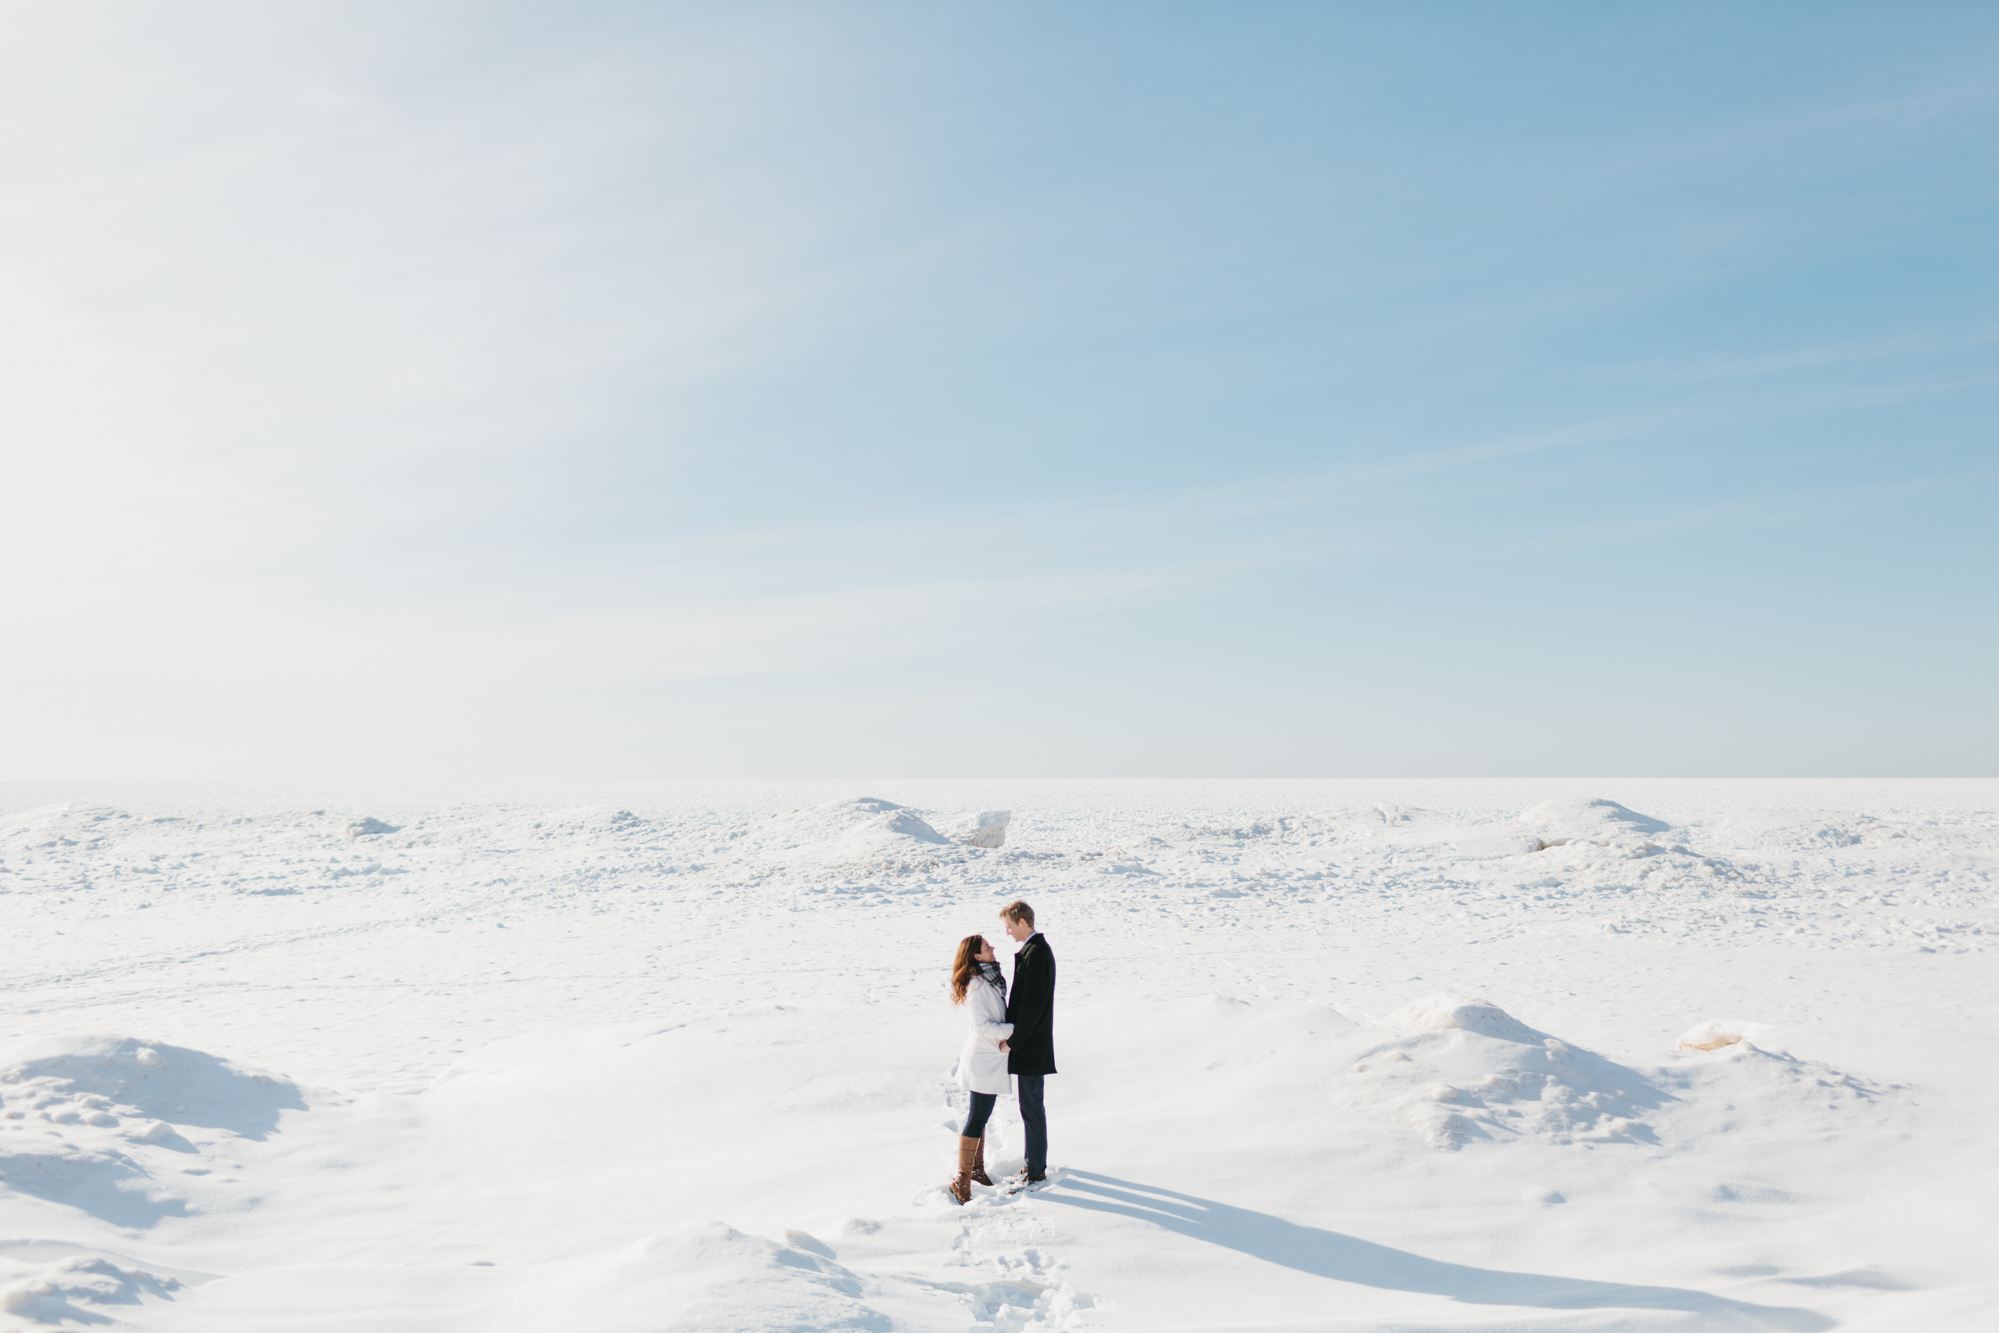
(374, 379)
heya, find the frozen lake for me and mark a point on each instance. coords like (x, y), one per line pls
(1335, 1055)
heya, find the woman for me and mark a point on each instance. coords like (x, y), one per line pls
(977, 983)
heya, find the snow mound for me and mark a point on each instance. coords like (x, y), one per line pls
(985, 828)
(1716, 1033)
(104, 1080)
(1775, 1097)
(707, 1277)
(884, 836)
(368, 826)
(61, 1292)
(1444, 1011)
(1587, 817)
(1599, 845)
(1467, 1070)
(96, 1122)
(818, 823)
(866, 834)
(902, 823)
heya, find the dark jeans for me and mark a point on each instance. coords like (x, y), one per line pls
(975, 1119)
(1035, 1120)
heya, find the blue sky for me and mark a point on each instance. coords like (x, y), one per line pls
(447, 391)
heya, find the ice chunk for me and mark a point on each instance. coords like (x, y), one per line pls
(989, 828)
(972, 828)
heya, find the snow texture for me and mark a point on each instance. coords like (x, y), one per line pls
(1468, 1070)
(1716, 1033)
(1358, 1056)
(73, 1291)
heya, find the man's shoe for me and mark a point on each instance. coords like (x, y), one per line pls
(961, 1187)
(979, 1164)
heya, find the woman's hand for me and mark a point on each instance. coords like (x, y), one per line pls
(1003, 1045)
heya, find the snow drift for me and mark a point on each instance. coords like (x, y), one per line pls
(106, 1124)
(1469, 1071)
(76, 1290)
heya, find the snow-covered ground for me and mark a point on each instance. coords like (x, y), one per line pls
(1335, 1055)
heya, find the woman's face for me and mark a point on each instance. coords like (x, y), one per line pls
(986, 954)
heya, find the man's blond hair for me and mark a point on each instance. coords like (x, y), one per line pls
(1018, 910)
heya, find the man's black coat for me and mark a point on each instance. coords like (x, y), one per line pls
(1030, 1007)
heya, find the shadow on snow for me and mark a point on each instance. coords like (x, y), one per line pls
(1348, 1259)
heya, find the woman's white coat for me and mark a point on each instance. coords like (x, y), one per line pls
(982, 1064)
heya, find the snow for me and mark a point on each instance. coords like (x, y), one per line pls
(1475, 1072)
(987, 828)
(1357, 1056)
(65, 1291)
(1716, 1033)
(1590, 817)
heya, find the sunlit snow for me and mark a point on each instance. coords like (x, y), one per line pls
(1334, 1055)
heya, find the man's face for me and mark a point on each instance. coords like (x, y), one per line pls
(1019, 930)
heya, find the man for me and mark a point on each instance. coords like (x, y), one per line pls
(1030, 1007)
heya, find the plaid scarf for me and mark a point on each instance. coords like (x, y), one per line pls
(994, 978)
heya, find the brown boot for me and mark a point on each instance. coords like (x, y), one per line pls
(979, 1163)
(961, 1187)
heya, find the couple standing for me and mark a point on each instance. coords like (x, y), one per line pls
(1011, 1035)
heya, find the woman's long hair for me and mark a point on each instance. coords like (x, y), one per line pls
(966, 965)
